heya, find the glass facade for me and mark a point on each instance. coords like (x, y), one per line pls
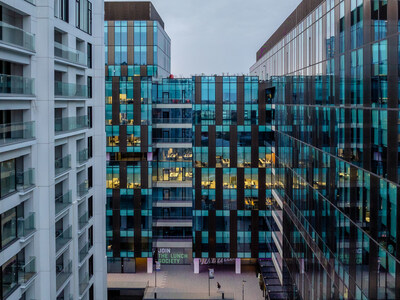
(335, 89)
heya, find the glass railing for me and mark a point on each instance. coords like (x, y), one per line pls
(16, 36)
(12, 84)
(64, 89)
(83, 282)
(27, 270)
(83, 220)
(83, 188)
(63, 275)
(63, 238)
(26, 226)
(172, 121)
(172, 140)
(82, 156)
(25, 180)
(62, 164)
(16, 132)
(83, 252)
(67, 53)
(70, 123)
(63, 201)
(172, 101)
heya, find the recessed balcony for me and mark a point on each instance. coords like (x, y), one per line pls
(63, 275)
(82, 156)
(16, 132)
(63, 201)
(83, 188)
(69, 54)
(63, 238)
(25, 226)
(70, 90)
(84, 251)
(62, 164)
(15, 36)
(16, 85)
(70, 124)
(83, 220)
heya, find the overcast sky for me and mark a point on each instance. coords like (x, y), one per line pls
(219, 36)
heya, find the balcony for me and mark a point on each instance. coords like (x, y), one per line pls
(63, 201)
(63, 238)
(16, 85)
(172, 121)
(84, 251)
(172, 140)
(25, 180)
(83, 188)
(70, 90)
(69, 54)
(83, 220)
(26, 271)
(63, 275)
(83, 282)
(17, 37)
(172, 101)
(82, 156)
(62, 164)
(70, 124)
(16, 132)
(25, 226)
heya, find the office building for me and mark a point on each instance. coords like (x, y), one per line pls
(333, 72)
(52, 187)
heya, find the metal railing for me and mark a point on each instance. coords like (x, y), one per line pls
(17, 36)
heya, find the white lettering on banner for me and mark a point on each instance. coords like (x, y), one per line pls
(215, 261)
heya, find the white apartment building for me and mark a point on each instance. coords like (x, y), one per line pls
(52, 154)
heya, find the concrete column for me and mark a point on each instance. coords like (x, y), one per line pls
(196, 263)
(149, 265)
(237, 266)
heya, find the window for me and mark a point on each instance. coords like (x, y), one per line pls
(61, 10)
(89, 112)
(90, 147)
(89, 86)
(89, 55)
(83, 15)
(90, 207)
(90, 177)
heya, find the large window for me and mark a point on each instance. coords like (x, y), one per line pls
(61, 10)
(83, 15)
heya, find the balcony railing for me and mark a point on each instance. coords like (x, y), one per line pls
(83, 220)
(172, 121)
(64, 89)
(172, 140)
(83, 282)
(12, 84)
(83, 188)
(172, 101)
(16, 36)
(67, 53)
(82, 156)
(25, 226)
(83, 252)
(63, 201)
(25, 180)
(63, 238)
(16, 132)
(27, 270)
(63, 275)
(70, 124)
(62, 164)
